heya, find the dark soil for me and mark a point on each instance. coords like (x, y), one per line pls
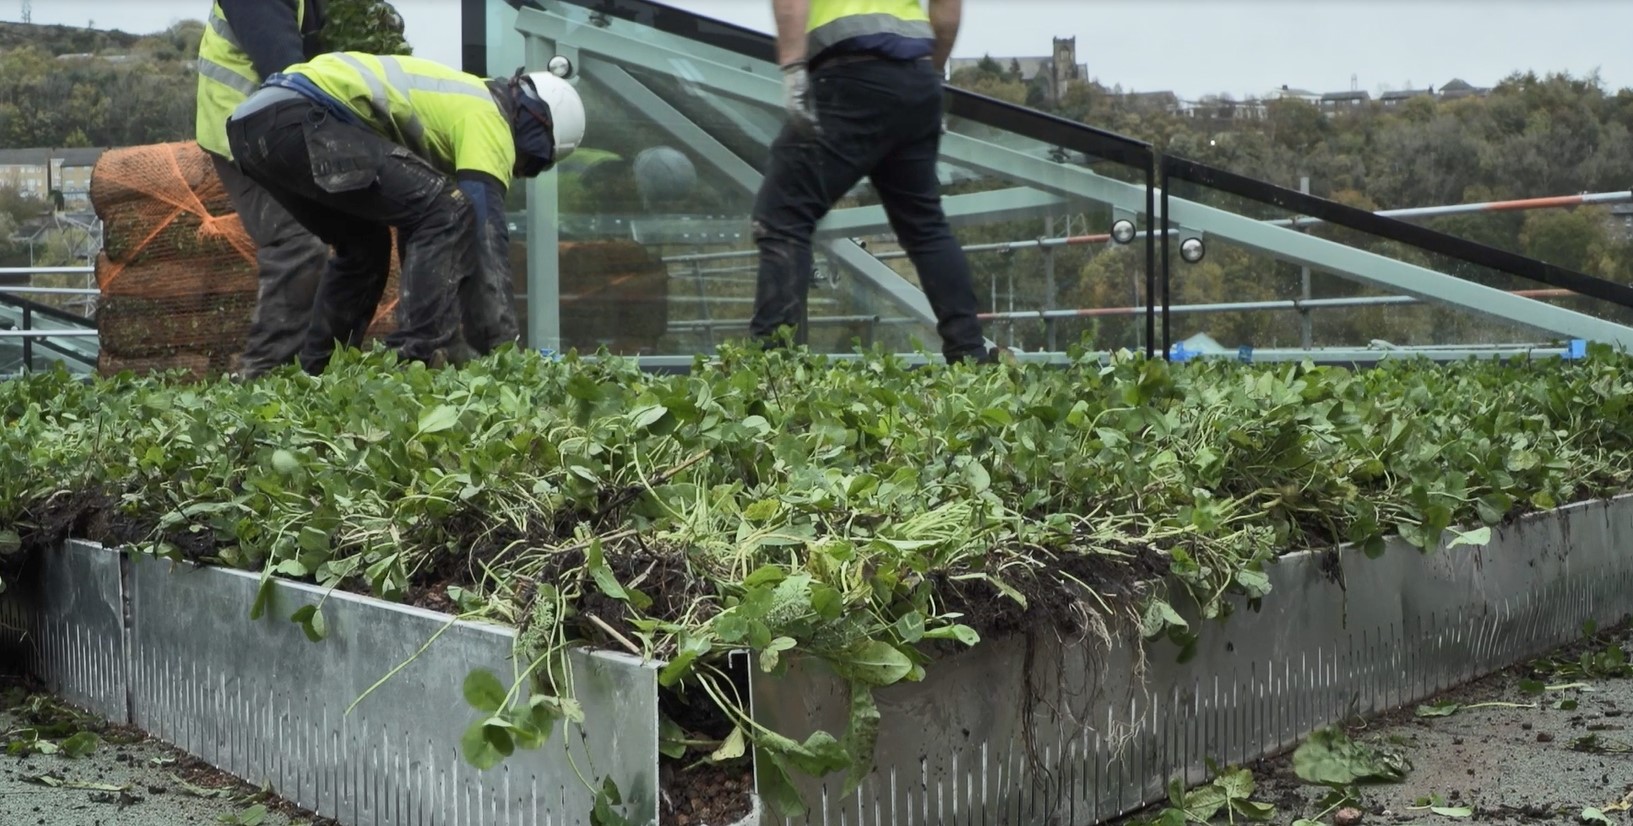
(708, 795)
(1050, 597)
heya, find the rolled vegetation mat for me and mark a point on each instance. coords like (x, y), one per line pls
(177, 278)
(135, 326)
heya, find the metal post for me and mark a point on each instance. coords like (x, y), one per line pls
(1049, 286)
(543, 234)
(1305, 332)
(28, 341)
(1149, 241)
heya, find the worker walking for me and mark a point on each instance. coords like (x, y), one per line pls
(354, 144)
(862, 86)
(246, 41)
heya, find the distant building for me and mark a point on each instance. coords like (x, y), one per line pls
(1459, 88)
(28, 171)
(1164, 101)
(1621, 221)
(36, 172)
(1060, 70)
(1395, 98)
(1286, 92)
(1335, 102)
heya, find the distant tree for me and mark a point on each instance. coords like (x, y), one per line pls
(372, 26)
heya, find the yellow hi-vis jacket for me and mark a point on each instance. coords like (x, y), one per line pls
(835, 22)
(443, 115)
(226, 77)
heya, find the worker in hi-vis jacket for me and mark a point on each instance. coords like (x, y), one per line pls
(355, 144)
(245, 42)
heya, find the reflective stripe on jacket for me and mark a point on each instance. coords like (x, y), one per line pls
(832, 23)
(226, 77)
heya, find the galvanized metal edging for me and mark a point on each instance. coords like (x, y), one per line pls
(1030, 730)
(170, 649)
(1040, 730)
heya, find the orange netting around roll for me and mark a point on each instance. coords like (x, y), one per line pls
(178, 275)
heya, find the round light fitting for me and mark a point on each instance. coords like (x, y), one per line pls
(1192, 250)
(1123, 231)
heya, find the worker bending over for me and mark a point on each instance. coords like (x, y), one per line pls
(354, 144)
(862, 86)
(245, 42)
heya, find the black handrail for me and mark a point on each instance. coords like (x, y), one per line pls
(46, 310)
(1394, 229)
(34, 308)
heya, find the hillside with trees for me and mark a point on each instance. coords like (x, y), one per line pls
(69, 86)
(1531, 136)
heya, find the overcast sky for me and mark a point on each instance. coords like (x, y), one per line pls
(1193, 47)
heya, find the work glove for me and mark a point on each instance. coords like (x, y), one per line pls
(796, 97)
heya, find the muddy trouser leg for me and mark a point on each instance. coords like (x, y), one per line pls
(488, 299)
(290, 260)
(909, 189)
(359, 183)
(807, 174)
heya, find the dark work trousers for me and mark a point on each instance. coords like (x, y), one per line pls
(880, 119)
(350, 186)
(290, 260)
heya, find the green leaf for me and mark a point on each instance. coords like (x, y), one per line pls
(963, 633)
(440, 418)
(310, 619)
(478, 750)
(1254, 583)
(1532, 687)
(644, 417)
(1593, 815)
(1444, 708)
(284, 462)
(1253, 810)
(670, 737)
(1237, 784)
(1521, 460)
(603, 813)
(484, 691)
(772, 653)
(910, 627)
(775, 786)
(1565, 704)
(861, 736)
(1329, 758)
(765, 575)
(608, 583)
(732, 748)
(1452, 811)
(1481, 536)
(80, 745)
(873, 662)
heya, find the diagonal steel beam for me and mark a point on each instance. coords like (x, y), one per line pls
(904, 293)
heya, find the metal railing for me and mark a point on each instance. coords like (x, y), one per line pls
(1049, 314)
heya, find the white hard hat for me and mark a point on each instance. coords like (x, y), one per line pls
(566, 110)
